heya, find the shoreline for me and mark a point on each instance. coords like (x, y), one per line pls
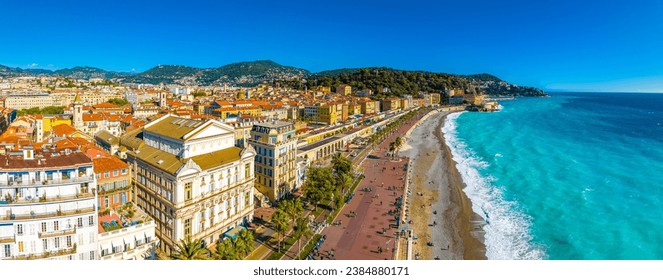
(455, 230)
(468, 224)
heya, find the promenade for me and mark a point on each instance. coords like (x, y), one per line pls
(368, 225)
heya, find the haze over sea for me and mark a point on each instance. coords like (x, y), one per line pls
(574, 176)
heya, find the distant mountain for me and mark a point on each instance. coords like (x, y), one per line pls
(336, 72)
(382, 80)
(495, 86)
(6, 71)
(393, 82)
(241, 73)
(86, 73)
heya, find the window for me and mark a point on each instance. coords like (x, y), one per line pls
(20, 246)
(187, 191)
(115, 173)
(97, 175)
(43, 227)
(187, 227)
(247, 170)
(56, 225)
(45, 242)
(19, 229)
(124, 171)
(69, 241)
(57, 242)
(33, 246)
(91, 255)
(80, 222)
(8, 250)
(91, 220)
(32, 229)
(106, 174)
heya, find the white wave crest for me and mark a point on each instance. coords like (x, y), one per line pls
(507, 230)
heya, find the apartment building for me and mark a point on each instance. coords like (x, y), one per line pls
(275, 167)
(191, 178)
(48, 204)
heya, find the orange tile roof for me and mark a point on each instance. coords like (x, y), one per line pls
(105, 105)
(108, 163)
(93, 117)
(63, 130)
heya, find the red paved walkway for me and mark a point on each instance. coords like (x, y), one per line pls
(373, 226)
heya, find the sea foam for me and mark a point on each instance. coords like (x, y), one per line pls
(507, 234)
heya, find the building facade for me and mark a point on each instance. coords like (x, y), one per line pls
(48, 206)
(276, 147)
(191, 178)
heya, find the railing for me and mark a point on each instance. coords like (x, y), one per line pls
(7, 239)
(50, 199)
(57, 233)
(31, 216)
(48, 182)
(48, 254)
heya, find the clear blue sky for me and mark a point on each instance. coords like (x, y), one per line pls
(556, 45)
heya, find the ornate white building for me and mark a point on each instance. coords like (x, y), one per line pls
(191, 178)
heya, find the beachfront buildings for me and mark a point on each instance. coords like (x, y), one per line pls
(190, 178)
(48, 206)
(276, 169)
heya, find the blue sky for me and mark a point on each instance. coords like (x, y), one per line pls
(555, 45)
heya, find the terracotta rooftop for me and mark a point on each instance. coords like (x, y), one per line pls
(109, 163)
(43, 160)
(63, 130)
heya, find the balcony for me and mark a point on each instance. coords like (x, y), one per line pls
(35, 200)
(33, 216)
(7, 239)
(49, 254)
(57, 233)
(44, 183)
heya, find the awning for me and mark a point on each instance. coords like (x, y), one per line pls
(106, 246)
(232, 233)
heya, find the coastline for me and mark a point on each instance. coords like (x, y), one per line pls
(455, 230)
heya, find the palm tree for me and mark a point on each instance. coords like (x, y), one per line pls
(225, 250)
(280, 221)
(249, 240)
(189, 249)
(240, 246)
(302, 230)
(294, 208)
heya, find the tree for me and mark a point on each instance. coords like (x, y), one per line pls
(199, 93)
(319, 184)
(293, 208)
(225, 250)
(118, 101)
(280, 221)
(302, 230)
(249, 240)
(341, 164)
(190, 249)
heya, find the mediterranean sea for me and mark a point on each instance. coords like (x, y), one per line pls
(575, 176)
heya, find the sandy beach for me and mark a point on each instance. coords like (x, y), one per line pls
(440, 210)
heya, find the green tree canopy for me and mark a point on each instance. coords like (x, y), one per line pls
(190, 249)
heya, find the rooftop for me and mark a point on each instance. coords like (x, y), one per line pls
(14, 161)
(110, 163)
(173, 127)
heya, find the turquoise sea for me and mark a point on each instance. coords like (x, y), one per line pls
(573, 176)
